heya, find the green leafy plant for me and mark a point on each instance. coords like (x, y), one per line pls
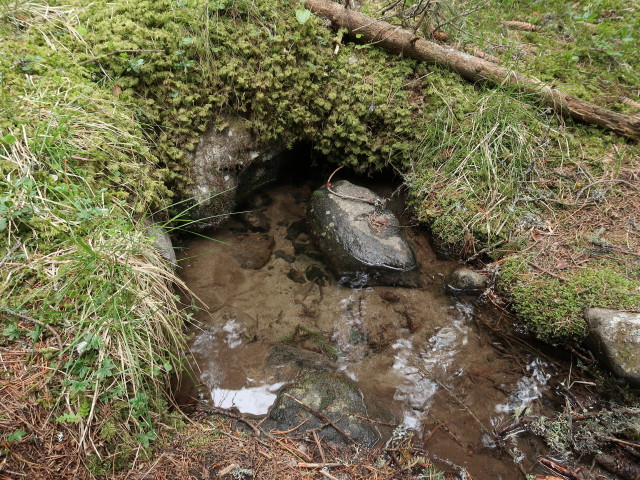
(15, 436)
(303, 15)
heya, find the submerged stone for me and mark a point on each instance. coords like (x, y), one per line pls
(465, 281)
(252, 250)
(332, 396)
(615, 338)
(359, 239)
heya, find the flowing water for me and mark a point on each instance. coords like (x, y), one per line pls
(421, 353)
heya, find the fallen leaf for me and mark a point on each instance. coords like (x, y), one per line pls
(524, 26)
(561, 265)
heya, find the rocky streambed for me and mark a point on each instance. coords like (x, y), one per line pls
(347, 349)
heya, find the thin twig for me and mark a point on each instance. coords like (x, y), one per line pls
(15, 246)
(485, 250)
(323, 417)
(606, 180)
(537, 267)
(320, 449)
(347, 197)
(328, 475)
(35, 321)
(116, 52)
(622, 442)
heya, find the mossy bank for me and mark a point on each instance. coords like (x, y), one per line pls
(100, 104)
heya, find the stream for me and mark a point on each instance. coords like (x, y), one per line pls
(424, 356)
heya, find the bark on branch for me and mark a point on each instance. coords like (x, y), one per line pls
(471, 68)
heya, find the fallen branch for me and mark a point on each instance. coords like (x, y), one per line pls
(524, 26)
(474, 69)
(619, 466)
(558, 469)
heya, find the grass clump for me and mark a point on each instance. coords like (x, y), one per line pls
(87, 305)
(475, 167)
(553, 308)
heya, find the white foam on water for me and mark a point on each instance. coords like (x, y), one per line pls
(528, 389)
(232, 330)
(419, 368)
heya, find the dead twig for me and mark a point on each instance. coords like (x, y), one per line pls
(551, 274)
(622, 442)
(35, 321)
(319, 445)
(116, 52)
(556, 468)
(346, 197)
(324, 418)
(485, 250)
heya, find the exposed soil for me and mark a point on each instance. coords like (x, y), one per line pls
(423, 356)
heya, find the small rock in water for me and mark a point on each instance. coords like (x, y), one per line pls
(465, 281)
(359, 239)
(256, 221)
(615, 338)
(296, 276)
(315, 273)
(284, 256)
(252, 250)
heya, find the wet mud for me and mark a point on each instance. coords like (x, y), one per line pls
(420, 353)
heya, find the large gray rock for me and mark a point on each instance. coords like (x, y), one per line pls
(360, 240)
(615, 337)
(228, 164)
(313, 379)
(284, 362)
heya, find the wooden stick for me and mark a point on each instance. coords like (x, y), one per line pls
(35, 321)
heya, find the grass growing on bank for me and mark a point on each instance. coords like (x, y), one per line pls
(499, 174)
(89, 316)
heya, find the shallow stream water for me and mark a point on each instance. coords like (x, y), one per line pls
(420, 353)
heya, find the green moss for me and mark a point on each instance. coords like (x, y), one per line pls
(553, 309)
(255, 59)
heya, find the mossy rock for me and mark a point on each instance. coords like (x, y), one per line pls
(615, 338)
(336, 398)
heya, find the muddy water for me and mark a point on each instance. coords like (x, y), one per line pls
(419, 352)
